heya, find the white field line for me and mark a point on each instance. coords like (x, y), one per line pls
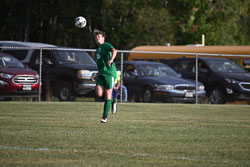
(115, 153)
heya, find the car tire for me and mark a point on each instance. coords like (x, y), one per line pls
(65, 92)
(147, 95)
(217, 96)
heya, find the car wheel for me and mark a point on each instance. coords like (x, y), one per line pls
(147, 95)
(65, 92)
(217, 96)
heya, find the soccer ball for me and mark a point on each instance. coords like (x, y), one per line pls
(80, 22)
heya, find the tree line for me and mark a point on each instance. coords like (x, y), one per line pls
(127, 23)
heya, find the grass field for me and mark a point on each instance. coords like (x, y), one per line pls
(138, 135)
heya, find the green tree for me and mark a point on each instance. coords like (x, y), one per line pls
(218, 20)
(127, 23)
(132, 23)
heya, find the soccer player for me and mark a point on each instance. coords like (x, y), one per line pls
(105, 55)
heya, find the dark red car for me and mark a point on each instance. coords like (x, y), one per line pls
(17, 79)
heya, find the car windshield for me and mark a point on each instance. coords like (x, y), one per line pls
(246, 62)
(69, 56)
(10, 62)
(224, 66)
(157, 71)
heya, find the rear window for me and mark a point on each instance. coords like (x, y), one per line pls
(18, 54)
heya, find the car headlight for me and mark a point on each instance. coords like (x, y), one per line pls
(37, 76)
(232, 81)
(165, 87)
(6, 76)
(201, 87)
(84, 74)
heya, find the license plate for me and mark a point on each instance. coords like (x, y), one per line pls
(26, 87)
(189, 94)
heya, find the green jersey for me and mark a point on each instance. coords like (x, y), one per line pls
(103, 55)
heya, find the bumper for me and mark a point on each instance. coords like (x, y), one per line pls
(179, 95)
(85, 89)
(19, 93)
(12, 90)
(239, 91)
(236, 95)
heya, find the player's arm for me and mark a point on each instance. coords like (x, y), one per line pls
(114, 53)
(117, 85)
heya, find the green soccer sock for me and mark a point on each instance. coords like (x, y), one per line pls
(107, 105)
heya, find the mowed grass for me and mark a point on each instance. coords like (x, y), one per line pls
(138, 135)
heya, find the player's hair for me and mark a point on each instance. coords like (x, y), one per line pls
(97, 32)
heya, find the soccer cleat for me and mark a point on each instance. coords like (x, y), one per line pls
(104, 120)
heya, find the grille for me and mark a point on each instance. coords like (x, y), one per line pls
(185, 87)
(245, 85)
(25, 79)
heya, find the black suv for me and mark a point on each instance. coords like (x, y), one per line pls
(224, 80)
(66, 72)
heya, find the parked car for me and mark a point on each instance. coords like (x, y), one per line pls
(151, 81)
(17, 79)
(224, 80)
(66, 72)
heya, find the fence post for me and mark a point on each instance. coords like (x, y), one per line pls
(196, 78)
(121, 82)
(40, 74)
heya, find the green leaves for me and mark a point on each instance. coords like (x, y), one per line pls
(127, 23)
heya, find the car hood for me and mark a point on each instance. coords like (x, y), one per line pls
(170, 81)
(76, 66)
(243, 77)
(18, 71)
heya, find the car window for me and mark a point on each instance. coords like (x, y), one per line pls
(46, 58)
(183, 66)
(129, 70)
(71, 56)
(157, 71)
(202, 67)
(10, 62)
(225, 66)
(19, 54)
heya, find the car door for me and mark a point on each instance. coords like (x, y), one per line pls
(48, 70)
(185, 68)
(203, 71)
(131, 78)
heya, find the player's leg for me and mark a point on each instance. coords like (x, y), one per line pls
(99, 88)
(125, 93)
(99, 91)
(114, 98)
(109, 82)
